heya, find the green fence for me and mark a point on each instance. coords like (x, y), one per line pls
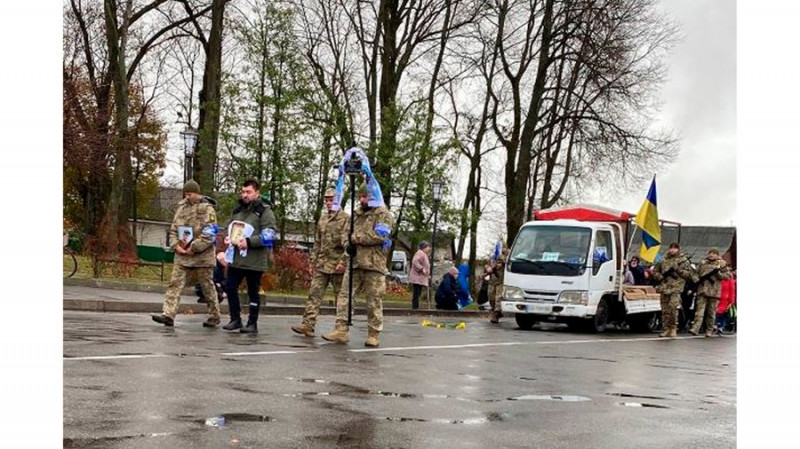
(154, 254)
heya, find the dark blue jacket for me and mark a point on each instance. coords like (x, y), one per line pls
(447, 293)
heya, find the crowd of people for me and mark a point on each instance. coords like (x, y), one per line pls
(693, 298)
(219, 258)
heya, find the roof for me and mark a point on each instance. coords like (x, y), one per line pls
(695, 241)
(583, 212)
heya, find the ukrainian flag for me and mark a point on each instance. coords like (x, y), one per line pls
(647, 220)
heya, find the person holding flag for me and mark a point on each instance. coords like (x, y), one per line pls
(672, 271)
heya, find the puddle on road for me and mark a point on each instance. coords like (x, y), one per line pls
(309, 381)
(638, 396)
(245, 417)
(306, 394)
(550, 397)
(490, 417)
(101, 442)
(351, 389)
(640, 405)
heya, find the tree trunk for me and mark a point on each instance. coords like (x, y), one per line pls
(205, 157)
(116, 235)
(516, 187)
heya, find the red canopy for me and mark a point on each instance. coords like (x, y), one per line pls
(583, 212)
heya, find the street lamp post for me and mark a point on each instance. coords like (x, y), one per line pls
(437, 187)
(189, 135)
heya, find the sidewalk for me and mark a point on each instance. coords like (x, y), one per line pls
(94, 295)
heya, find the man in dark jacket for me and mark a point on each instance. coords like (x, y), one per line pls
(447, 293)
(251, 254)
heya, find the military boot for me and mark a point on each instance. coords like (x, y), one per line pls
(372, 338)
(163, 319)
(304, 329)
(211, 322)
(339, 334)
(251, 328)
(236, 323)
(673, 333)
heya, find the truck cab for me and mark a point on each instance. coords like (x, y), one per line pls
(571, 272)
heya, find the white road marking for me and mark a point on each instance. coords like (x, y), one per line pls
(515, 343)
(261, 353)
(390, 349)
(112, 357)
(469, 345)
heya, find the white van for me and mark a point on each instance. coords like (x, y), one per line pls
(400, 266)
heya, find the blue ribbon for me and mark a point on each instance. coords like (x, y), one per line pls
(374, 194)
(267, 237)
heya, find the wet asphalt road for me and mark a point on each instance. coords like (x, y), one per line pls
(131, 383)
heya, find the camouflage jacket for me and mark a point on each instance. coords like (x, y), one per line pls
(329, 242)
(672, 272)
(260, 216)
(498, 269)
(202, 220)
(711, 273)
(371, 232)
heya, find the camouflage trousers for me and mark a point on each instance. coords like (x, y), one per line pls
(372, 285)
(180, 275)
(319, 283)
(706, 310)
(495, 294)
(669, 310)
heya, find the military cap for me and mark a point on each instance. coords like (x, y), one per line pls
(191, 186)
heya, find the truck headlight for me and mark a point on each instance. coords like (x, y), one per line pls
(513, 293)
(580, 297)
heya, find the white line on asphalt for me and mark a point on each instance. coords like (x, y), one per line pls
(261, 353)
(481, 345)
(111, 357)
(405, 348)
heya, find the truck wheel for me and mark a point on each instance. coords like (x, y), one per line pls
(644, 322)
(524, 321)
(600, 319)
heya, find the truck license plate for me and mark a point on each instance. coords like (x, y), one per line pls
(540, 308)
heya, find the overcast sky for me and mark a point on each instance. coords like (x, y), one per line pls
(699, 188)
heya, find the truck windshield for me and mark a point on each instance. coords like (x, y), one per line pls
(550, 250)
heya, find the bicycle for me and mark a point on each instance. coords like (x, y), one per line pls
(70, 262)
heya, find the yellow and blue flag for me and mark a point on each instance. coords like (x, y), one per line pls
(647, 220)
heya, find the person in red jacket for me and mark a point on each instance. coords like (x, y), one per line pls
(727, 298)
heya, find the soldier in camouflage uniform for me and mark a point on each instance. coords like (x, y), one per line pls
(371, 246)
(327, 262)
(496, 272)
(711, 272)
(193, 259)
(671, 273)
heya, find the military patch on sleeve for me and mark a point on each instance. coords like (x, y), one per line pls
(212, 215)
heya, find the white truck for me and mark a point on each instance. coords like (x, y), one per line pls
(571, 272)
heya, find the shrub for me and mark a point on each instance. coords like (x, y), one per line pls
(290, 267)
